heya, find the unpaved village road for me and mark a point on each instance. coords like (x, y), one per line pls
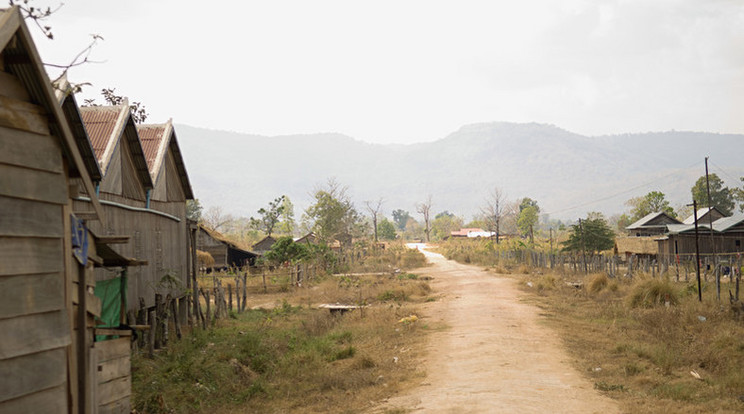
(494, 356)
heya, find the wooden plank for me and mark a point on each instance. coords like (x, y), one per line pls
(113, 349)
(31, 184)
(30, 218)
(11, 87)
(52, 400)
(113, 332)
(122, 406)
(34, 333)
(9, 24)
(22, 115)
(26, 149)
(19, 256)
(114, 368)
(117, 389)
(32, 373)
(27, 294)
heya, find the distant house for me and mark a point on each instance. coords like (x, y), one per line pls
(309, 238)
(652, 224)
(705, 215)
(226, 254)
(640, 247)
(264, 245)
(471, 233)
(726, 237)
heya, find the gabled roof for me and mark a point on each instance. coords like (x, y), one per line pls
(264, 244)
(465, 232)
(654, 220)
(222, 239)
(66, 98)
(727, 223)
(688, 228)
(156, 139)
(106, 125)
(22, 60)
(702, 212)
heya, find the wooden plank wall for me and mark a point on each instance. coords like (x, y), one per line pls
(114, 375)
(34, 315)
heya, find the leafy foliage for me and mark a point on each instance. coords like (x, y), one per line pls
(652, 202)
(721, 197)
(194, 210)
(444, 223)
(333, 215)
(386, 229)
(269, 217)
(592, 234)
(286, 250)
(400, 217)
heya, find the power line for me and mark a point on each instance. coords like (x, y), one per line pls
(622, 192)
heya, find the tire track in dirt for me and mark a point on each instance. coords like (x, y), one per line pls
(494, 356)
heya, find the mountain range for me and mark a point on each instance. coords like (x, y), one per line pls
(567, 173)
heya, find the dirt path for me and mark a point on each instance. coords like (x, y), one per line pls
(494, 357)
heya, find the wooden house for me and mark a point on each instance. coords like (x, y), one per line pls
(264, 245)
(146, 208)
(640, 247)
(705, 215)
(652, 224)
(725, 238)
(49, 361)
(225, 253)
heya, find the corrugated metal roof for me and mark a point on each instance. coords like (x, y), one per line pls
(100, 122)
(725, 223)
(643, 222)
(700, 213)
(151, 137)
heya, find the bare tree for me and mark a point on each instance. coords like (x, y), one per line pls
(425, 210)
(374, 210)
(493, 211)
(214, 218)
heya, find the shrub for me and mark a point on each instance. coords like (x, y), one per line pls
(653, 292)
(597, 282)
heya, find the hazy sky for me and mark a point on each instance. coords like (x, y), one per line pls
(410, 71)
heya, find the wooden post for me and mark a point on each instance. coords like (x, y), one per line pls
(206, 299)
(229, 294)
(245, 289)
(263, 276)
(142, 320)
(176, 322)
(237, 293)
(151, 333)
(156, 320)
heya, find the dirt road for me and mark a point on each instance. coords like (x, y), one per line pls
(494, 356)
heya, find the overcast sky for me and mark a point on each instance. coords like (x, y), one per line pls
(411, 71)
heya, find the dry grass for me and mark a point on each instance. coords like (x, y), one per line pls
(640, 351)
(290, 356)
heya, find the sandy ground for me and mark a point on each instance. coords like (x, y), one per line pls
(493, 356)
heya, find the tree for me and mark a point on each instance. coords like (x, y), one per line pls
(286, 250)
(137, 109)
(374, 211)
(333, 215)
(287, 223)
(593, 234)
(194, 210)
(720, 197)
(425, 210)
(444, 224)
(400, 217)
(386, 229)
(269, 217)
(652, 202)
(526, 221)
(493, 211)
(215, 219)
(528, 202)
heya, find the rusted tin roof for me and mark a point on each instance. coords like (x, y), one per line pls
(100, 122)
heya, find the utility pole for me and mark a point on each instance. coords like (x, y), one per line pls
(712, 240)
(583, 247)
(697, 251)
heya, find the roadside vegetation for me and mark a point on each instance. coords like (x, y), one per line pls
(285, 354)
(644, 341)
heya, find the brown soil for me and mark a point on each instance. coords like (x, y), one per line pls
(492, 355)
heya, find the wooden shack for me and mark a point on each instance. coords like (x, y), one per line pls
(652, 224)
(640, 247)
(226, 254)
(155, 231)
(47, 253)
(263, 245)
